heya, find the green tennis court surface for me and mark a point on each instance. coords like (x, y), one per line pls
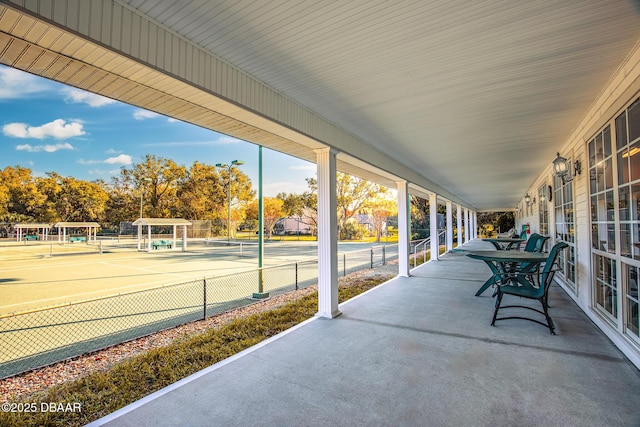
(31, 279)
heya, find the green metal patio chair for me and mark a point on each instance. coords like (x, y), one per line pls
(531, 285)
(535, 243)
(531, 243)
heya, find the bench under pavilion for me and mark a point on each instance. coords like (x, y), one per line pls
(161, 222)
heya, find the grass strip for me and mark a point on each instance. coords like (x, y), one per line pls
(102, 393)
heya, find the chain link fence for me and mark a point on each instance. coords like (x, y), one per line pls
(38, 338)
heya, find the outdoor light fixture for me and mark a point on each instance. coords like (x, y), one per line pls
(228, 168)
(562, 168)
(527, 199)
(142, 181)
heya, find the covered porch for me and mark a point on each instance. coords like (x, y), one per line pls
(415, 351)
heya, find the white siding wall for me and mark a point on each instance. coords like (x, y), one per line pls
(621, 90)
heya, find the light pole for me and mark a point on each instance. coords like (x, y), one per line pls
(261, 294)
(142, 181)
(228, 168)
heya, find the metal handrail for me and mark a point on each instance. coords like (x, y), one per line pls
(421, 243)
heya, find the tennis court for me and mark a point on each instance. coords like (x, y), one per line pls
(99, 298)
(31, 279)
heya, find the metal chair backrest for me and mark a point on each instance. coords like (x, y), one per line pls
(531, 243)
(528, 276)
(540, 243)
(548, 271)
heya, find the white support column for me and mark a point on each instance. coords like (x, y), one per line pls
(449, 225)
(149, 238)
(404, 228)
(474, 221)
(184, 238)
(459, 224)
(327, 234)
(466, 225)
(175, 234)
(139, 235)
(433, 226)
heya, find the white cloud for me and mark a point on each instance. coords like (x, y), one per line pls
(309, 167)
(16, 130)
(82, 97)
(112, 151)
(16, 84)
(101, 172)
(144, 114)
(179, 144)
(88, 162)
(57, 129)
(49, 148)
(122, 159)
(225, 139)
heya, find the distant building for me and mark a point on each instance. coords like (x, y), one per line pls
(292, 226)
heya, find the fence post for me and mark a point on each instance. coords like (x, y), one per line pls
(204, 307)
(296, 276)
(344, 264)
(384, 255)
(371, 256)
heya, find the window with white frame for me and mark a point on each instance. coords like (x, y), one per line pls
(603, 232)
(627, 164)
(565, 230)
(543, 209)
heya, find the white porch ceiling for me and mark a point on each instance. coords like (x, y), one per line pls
(475, 96)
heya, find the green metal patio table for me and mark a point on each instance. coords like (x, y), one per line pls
(503, 243)
(504, 263)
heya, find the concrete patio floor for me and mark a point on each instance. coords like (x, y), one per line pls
(415, 351)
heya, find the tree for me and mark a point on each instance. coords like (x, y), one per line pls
(237, 190)
(272, 212)
(381, 209)
(21, 196)
(202, 195)
(70, 199)
(159, 194)
(123, 204)
(310, 205)
(353, 196)
(292, 204)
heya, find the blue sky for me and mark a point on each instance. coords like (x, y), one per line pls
(50, 127)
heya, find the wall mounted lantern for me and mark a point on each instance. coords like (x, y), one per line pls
(562, 168)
